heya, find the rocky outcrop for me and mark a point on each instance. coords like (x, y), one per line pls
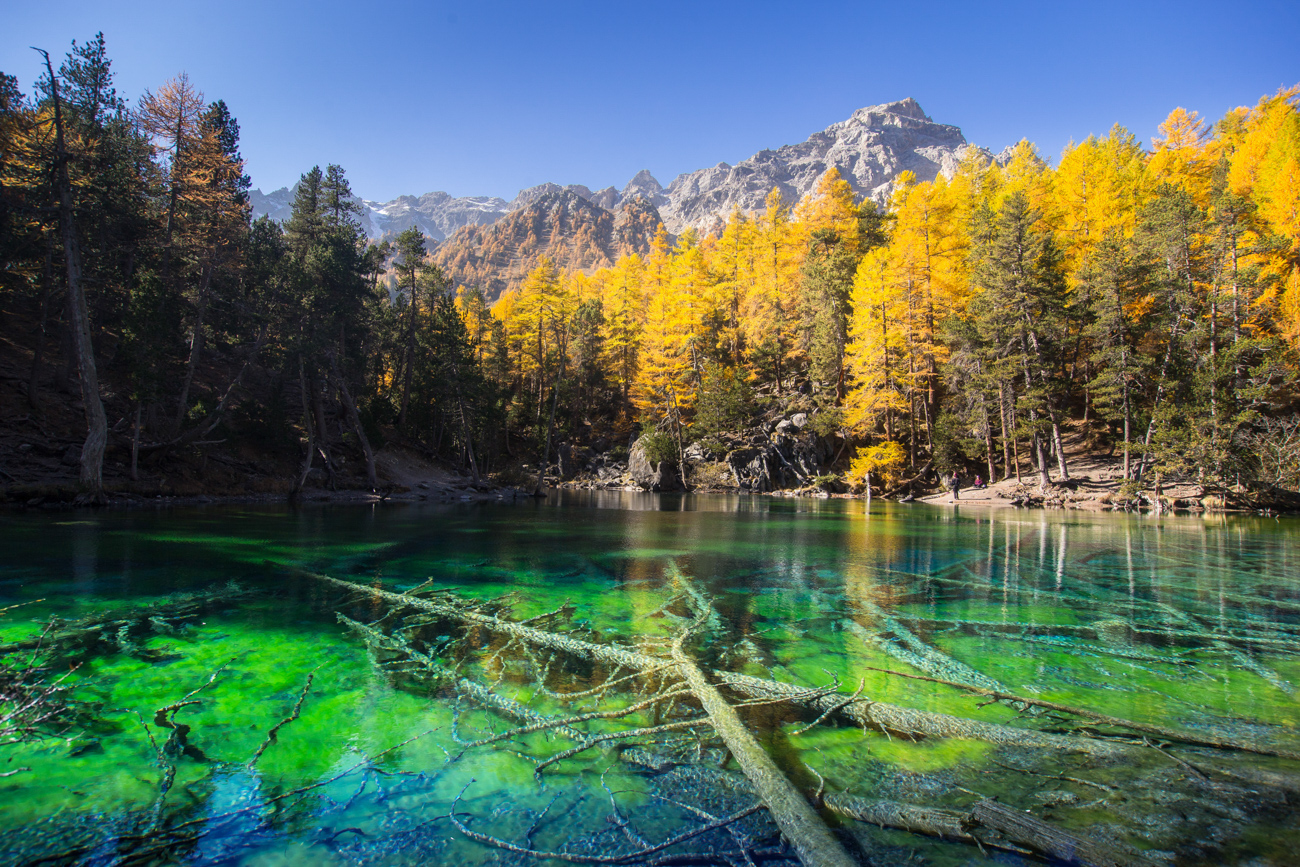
(438, 215)
(779, 454)
(532, 195)
(661, 476)
(570, 230)
(787, 457)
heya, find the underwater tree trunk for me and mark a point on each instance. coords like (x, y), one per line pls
(798, 822)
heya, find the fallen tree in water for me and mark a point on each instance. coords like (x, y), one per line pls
(663, 679)
(881, 716)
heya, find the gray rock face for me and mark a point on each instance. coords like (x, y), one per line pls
(533, 194)
(786, 458)
(277, 204)
(651, 477)
(870, 149)
(643, 184)
(607, 198)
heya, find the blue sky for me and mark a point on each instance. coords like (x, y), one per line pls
(485, 98)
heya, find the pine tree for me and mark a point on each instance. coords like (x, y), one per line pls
(1020, 310)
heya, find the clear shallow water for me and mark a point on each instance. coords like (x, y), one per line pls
(785, 574)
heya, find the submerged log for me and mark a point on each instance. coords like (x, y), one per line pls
(929, 821)
(119, 629)
(1033, 833)
(908, 721)
(914, 651)
(1161, 732)
(795, 817)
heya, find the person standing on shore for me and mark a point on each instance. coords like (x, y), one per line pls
(956, 486)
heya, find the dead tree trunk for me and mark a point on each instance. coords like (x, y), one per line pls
(798, 822)
(546, 453)
(92, 450)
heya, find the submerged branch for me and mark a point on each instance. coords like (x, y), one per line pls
(1147, 728)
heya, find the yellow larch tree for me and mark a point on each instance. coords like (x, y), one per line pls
(928, 251)
(1264, 166)
(623, 300)
(664, 374)
(1185, 156)
(536, 320)
(1095, 191)
(734, 261)
(769, 311)
(878, 349)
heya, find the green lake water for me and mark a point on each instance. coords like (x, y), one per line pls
(1186, 622)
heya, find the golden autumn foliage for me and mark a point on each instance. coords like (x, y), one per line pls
(740, 298)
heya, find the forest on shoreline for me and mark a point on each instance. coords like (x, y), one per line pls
(1152, 294)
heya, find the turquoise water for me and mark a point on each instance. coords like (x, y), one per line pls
(1185, 622)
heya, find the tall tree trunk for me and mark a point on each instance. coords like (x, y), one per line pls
(988, 447)
(196, 348)
(911, 440)
(1015, 439)
(1059, 446)
(174, 195)
(322, 431)
(1040, 454)
(546, 453)
(677, 430)
(1002, 421)
(92, 450)
(135, 444)
(306, 423)
(469, 437)
(409, 362)
(1160, 393)
(354, 418)
(47, 292)
(1128, 424)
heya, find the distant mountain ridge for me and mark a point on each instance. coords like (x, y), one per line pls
(870, 150)
(568, 228)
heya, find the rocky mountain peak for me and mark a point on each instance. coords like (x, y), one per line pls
(902, 108)
(643, 184)
(870, 150)
(533, 194)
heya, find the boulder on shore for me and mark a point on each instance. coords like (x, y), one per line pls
(650, 476)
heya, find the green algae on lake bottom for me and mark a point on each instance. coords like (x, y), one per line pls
(1097, 611)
